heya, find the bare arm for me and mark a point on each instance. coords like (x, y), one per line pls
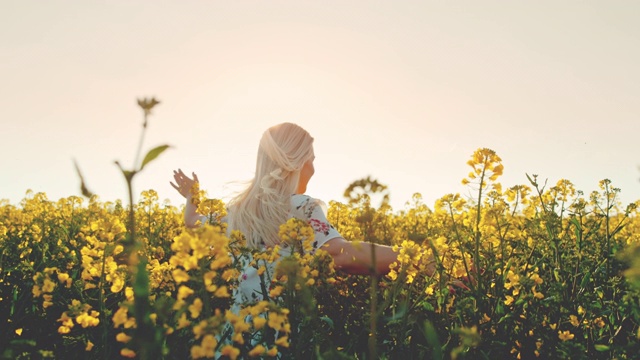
(184, 186)
(357, 259)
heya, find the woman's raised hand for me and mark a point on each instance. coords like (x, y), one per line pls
(184, 184)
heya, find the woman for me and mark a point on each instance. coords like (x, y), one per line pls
(283, 170)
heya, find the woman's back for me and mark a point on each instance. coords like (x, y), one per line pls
(305, 208)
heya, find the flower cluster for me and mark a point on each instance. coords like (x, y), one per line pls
(547, 273)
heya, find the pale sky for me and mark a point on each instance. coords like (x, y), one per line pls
(403, 91)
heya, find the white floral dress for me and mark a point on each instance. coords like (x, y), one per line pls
(303, 207)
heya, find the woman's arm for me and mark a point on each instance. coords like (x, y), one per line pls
(185, 186)
(357, 259)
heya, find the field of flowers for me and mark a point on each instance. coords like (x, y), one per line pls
(552, 273)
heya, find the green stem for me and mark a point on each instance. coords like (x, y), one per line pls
(103, 313)
(373, 325)
(373, 346)
(144, 128)
(476, 252)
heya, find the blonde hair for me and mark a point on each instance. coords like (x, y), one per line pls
(264, 205)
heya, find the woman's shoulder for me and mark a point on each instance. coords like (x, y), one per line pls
(306, 204)
(304, 199)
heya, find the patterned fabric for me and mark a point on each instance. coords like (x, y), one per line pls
(303, 207)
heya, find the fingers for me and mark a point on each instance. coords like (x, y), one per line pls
(180, 182)
(181, 177)
(183, 183)
(178, 173)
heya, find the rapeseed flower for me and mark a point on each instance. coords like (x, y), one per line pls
(565, 335)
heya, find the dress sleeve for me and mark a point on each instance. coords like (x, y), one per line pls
(314, 211)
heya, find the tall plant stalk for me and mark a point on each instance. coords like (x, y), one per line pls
(147, 340)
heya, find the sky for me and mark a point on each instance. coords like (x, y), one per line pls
(402, 91)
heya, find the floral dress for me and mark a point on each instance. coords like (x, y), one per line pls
(303, 207)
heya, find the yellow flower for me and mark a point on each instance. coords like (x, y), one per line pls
(537, 295)
(88, 286)
(229, 274)
(66, 320)
(47, 300)
(183, 321)
(222, 292)
(19, 332)
(272, 352)
(429, 290)
(392, 274)
(184, 292)
(283, 341)
(195, 308)
(574, 320)
(536, 278)
(128, 293)
(48, 285)
(276, 321)
(230, 351)
(180, 276)
(209, 342)
(261, 270)
(86, 320)
(197, 352)
(508, 300)
(258, 350)
(120, 317)
(117, 284)
(128, 353)
(89, 346)
(62, 277)
(565, 335)
(206, 349)
(258, 308)
(123, 338)
(258, 322)
(276, 291)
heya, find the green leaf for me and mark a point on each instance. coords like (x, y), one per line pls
(327, 320)
(505, 318)
(128, 174)
(141, 284)
(585, 279)
(23, 342)
(577, 230)
(533, 182)
(83, 187)
(601, 347)
(152, 154)
(432, 338)
(427, 306)
(500, 309)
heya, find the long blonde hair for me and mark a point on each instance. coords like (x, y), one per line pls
(259, 210)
